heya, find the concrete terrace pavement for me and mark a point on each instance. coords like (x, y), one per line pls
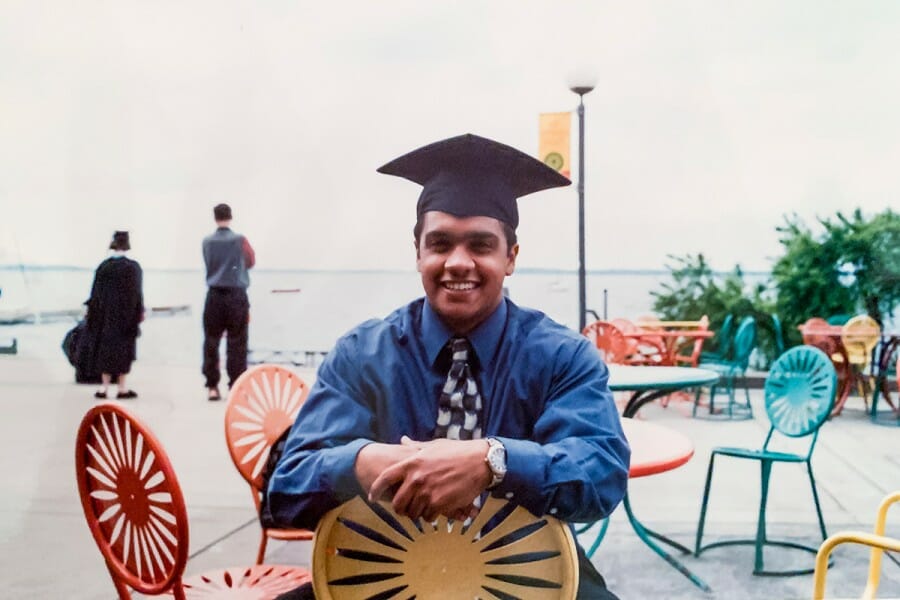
(46, 550)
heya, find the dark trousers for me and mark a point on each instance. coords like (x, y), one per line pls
(591, 585)
(226, 310)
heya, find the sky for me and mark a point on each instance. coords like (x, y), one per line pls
(710, 121)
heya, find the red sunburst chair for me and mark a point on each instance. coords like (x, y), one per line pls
(136, 513)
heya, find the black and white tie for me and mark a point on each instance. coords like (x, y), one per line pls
(459, 406)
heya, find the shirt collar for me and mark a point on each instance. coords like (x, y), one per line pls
(484, 339)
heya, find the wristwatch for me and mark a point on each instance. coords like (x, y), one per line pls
(496, 461)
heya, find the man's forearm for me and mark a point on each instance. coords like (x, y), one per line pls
(249, 254)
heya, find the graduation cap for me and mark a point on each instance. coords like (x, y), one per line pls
(470, 176)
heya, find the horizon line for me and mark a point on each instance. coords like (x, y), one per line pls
(522, 270)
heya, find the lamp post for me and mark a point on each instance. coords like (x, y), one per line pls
(581, 90)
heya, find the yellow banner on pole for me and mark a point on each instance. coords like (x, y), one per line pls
(554, 144)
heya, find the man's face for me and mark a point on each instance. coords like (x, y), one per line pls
(463, 262)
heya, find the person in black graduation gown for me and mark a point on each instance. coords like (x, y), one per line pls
(115, 310)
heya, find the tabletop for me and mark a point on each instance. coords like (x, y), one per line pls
(692, 333)
(625, 378)
(837, 330)
(654, 448)
(664, 324)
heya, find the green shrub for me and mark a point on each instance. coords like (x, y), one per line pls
(696, 290)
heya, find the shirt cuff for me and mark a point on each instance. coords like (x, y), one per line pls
(525, 466)
(339, 469)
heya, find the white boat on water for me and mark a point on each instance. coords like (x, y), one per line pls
(557, 286)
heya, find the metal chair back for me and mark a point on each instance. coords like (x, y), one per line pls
(131, 500)
(725, 336)
(744, 342)
(612, 345)
(135, 509)
(859, 336)
(877, 541)
(799, 391)
(262, 405)
(366, 550)
(777, 335)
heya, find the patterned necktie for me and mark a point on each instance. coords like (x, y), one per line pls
(459, 407)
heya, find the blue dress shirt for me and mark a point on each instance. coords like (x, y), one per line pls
(545, 395)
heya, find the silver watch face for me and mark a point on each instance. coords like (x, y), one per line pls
(497, 459)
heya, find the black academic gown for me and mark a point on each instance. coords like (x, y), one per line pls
(115, 310)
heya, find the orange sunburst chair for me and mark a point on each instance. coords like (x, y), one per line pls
(609, 341)
(262, 405)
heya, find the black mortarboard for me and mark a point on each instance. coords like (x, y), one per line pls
(470, 176)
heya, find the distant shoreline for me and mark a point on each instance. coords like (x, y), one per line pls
(521, 270)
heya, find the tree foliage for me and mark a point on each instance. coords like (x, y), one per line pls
(851, 266)
(696, 290)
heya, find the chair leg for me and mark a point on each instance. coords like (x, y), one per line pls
(765, 472)
(261, 555)
(812, 483)
(731, 397)
(600, 535)
(747, 395)
(178, 591)
(696, 400)
(121, 589)
(702, 522)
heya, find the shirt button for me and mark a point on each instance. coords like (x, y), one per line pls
(509, 495)
(553, 511)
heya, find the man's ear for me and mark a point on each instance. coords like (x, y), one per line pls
(511, 259)
(418, 256)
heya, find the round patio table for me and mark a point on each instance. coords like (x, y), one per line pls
(649, 383)
(654, 449)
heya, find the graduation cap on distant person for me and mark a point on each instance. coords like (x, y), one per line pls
(469, 176)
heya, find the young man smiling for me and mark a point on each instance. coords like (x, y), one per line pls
(462, 392)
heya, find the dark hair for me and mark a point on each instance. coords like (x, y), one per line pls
(120, 241)
(508, 232)
(222, 212)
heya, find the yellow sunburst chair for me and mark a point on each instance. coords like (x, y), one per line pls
(364, 551)
(877, 541)
(859, 336)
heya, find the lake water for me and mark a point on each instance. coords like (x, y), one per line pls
(327, 304)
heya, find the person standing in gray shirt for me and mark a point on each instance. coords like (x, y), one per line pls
(228, 256)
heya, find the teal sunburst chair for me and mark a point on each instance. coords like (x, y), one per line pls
(777, 336)
(729, 370)
(799, 393)
(722, 341)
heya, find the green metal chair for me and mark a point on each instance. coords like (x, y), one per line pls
(838, 319)
(729, 370)
(722, 341)
(778, 336)
(799, 393)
